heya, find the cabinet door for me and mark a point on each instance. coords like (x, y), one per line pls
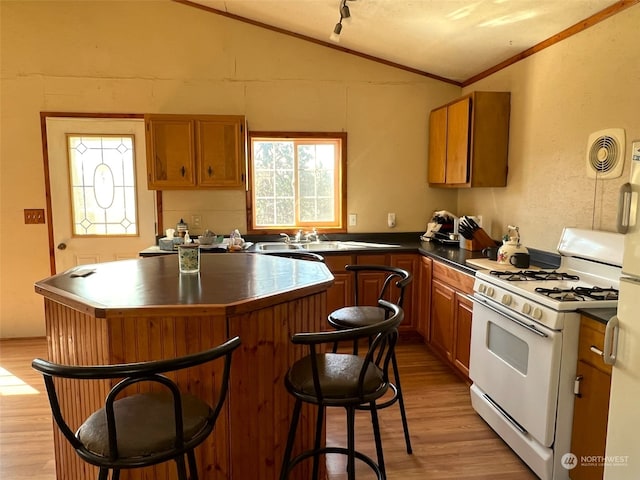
(170, 153)
(411, 264)
(590, 415)
(442, 314)
(437, 146)
(462, 333)
(591, 406)
(458, 123)
(220, 152)
(423, 298)
(341, 292)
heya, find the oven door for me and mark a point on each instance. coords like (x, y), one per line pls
(516, 362)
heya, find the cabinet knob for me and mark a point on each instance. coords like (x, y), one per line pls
(183, 171)
(62, 246)
(210, 170)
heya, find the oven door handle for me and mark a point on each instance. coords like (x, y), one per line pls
(531, 328)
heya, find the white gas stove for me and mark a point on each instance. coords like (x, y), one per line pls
(524, 344)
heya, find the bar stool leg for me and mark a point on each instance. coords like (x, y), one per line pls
(376, 435)
(284, 471)
(316, 455)
(193, 468)
(351, 442)
(405, 425)
(182, 469)
(115, 475)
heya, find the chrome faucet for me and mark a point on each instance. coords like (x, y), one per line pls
(287, 239)
(298, 237)
(313, 233)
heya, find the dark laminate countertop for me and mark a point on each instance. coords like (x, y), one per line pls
(601, 315)
(227, 283)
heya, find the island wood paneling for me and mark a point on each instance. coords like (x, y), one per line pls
(258, 389)
(250, 434)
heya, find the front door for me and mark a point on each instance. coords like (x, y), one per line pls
(101, 207)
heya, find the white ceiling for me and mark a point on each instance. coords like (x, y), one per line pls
(454, 39)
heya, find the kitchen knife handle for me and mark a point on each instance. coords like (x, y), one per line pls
(624, 208)
(611, 341)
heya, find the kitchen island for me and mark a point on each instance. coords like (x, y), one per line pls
(144, 309)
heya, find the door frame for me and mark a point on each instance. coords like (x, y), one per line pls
(47, 174)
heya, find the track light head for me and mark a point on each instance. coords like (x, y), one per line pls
(335, 35)
(344, 10)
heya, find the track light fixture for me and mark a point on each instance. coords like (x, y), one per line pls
(345, 15)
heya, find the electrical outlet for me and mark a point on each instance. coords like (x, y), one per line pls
(353, 219)
(391, 220)
(196, 221)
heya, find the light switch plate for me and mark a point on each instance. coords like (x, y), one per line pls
(635, 151)
(391, 220)
(353, 219)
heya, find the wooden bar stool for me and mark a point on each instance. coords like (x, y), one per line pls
(141, 429)
(393, 289)
(342, 380)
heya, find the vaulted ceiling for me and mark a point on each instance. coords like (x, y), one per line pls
(455, 40)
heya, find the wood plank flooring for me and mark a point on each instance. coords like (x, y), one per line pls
(450, 441)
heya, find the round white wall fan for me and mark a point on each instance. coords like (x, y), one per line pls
(605, 153)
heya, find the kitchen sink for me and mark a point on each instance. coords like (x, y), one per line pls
(322, 246)
(276, 246)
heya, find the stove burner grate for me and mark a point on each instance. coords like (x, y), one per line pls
(532, 275)
(579, 294)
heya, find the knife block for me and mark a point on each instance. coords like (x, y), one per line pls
(472, 245)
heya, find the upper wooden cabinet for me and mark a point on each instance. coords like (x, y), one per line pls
(195, 151)
(469, 140)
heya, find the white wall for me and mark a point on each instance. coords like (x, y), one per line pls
(559, 96)
(163, 57)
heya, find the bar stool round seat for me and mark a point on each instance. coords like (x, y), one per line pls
(139, 428)
(393, 286)
(342, 380)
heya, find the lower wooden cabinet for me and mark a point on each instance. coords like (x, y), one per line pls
(410, 263)
(450, 316)
(423, 298)
(341, 292)
(369, 284)
(591, 406)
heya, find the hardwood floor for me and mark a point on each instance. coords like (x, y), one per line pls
(450, 441)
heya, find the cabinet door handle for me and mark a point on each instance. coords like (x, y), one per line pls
(183, 171)
(210, 170)
(596, 350)
(576, 386)
(624, 208)
(611, 341)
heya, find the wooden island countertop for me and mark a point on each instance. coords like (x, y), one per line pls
(144, 309)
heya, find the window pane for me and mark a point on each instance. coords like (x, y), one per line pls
(102, 175)
(295, 181)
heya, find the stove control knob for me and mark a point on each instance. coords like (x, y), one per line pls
(506, 299)
(490, 291)
(526, 309)
(482, 288)
(537, 313)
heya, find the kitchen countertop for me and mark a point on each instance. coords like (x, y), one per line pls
(226, 283)
(602, 315)
(407, 242)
